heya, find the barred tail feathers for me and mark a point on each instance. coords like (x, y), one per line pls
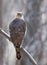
(18, 55)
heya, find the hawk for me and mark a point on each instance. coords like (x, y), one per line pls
(17, 30)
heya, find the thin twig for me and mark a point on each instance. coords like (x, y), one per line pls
(22, 49)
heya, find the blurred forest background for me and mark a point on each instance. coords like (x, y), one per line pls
(35, 41)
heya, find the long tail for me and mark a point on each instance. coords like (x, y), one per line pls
(18, 55)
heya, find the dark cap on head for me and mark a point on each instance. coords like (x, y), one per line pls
(19, 14)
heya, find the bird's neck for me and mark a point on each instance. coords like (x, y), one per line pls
(20, 17)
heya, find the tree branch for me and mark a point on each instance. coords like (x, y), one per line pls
(29, 56)
(2, 32)
(22, 49)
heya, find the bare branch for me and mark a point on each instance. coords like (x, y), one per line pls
(22, 49)
(2, 32)
(29, 56)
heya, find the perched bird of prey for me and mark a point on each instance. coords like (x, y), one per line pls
(17, 30)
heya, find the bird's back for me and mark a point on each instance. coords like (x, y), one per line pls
(17, 28)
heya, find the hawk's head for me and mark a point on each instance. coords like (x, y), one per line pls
(19, 15)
